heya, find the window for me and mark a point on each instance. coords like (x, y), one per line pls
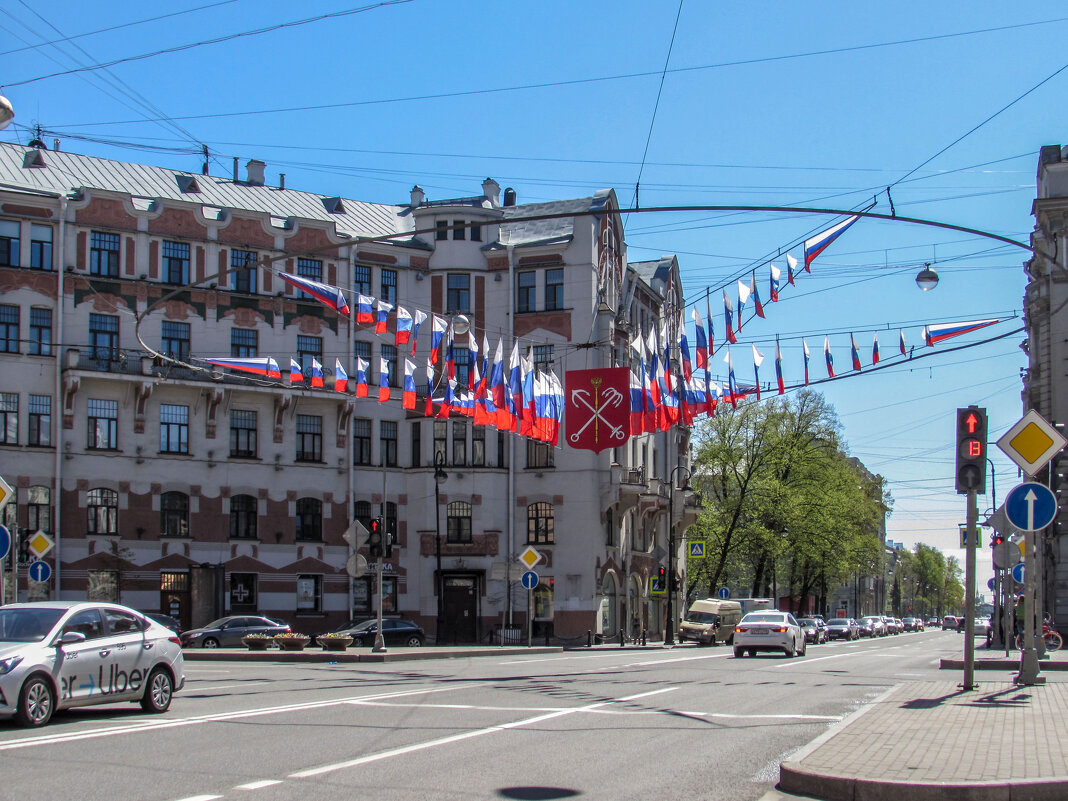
(175, 340)
(476, 232)
(39, 509)
(459, 442)
(309, 519)
(102, 509)
(9, 329)
(459, 522)
(391, 521)
(540, 454)
(526, 290)
(610, 528)
(9, 418)
(243, 271)
(502, 451)
(441, 234)
(478, 446)
(243, 439)
(554, 289)
(40, 432)
(309, 348)
(458, 294)
(388, 431)
(462, 360)
(389, 286)
(361, 279)
(441, 434)
(103, 336)
(104, 254)
(540, 523)
(362, 350)
(416, 443)
(389, 353)
(361, 441)
(173, 428)
(41, 332)
(174, 514)
(103, 418)
(175, 262)
(309, 594)
(312, 269)
(41, 247)
(9, 243)
(244, 343)
(309, 438)
(543, 358)
(458, 230)
(361, 511)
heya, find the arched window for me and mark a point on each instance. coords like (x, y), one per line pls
(540, 523)
(102, 508)
(174, 514)
(309, 519)
(39, 508)
(459, 522)
(243, 517)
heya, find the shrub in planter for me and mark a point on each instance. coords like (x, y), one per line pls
(257, 642)
(334, 641)
(292, 641)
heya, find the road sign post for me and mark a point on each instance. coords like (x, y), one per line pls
(970, 479)
(5, 547)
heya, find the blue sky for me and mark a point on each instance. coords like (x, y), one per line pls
(806, 104)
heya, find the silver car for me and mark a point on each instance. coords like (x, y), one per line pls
(769, 631)
(61, 654)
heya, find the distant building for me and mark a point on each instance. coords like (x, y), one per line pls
(201, 492)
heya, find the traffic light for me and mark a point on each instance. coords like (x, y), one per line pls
(391, 537)
(971, 451)
(374, 538)
(662, 578)
(997, 539)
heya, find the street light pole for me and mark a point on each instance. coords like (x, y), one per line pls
(439, 476)
(669, 628)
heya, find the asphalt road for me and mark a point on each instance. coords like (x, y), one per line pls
(682, 723)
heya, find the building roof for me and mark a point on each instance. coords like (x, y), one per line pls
(656, 270)
(559, 229)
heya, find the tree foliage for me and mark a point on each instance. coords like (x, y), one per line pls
(930, 582)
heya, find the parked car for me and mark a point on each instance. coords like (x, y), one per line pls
(227, 632)
(912, 624)
(62, 654)
(843, 628)
(769, 631)
(817, 627)
(878, 627)
(164, 620)
(821, 623)
(891, 624)
(395, 631)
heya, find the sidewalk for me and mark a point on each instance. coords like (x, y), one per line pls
(931, 741)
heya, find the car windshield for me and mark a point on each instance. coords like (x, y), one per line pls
(702, 617)
(757, 617)
(27, 625)
(217, 624)
(806, 621)
(839, 623)
(367, 625)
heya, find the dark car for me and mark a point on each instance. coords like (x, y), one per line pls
(912, 624)
(227, 632)
(394, 632)
(813, 633)
(843, 628)
(865, 627)
(164, 620)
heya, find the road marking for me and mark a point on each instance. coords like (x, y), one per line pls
(198, 688)
(258, 785)
(137, 728)
(816, 659)
(200, 798)
(455, 738)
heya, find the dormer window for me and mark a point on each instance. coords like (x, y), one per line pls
(187, 184)
(334, 205)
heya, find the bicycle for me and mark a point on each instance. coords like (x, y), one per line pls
(1051, 638)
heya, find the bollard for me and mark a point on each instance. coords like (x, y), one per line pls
(622, 641)
(589, 638)
(643, 636)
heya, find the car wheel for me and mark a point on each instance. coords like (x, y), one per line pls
(804, 649)
(752, 651)
(415, 641)
(37, 701)
(211, 642)
(159, 689)
(739, 653)
(791, 651)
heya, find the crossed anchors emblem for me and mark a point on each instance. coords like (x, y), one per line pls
(611, 399)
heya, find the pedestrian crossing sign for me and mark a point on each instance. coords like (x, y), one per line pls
(697, 550)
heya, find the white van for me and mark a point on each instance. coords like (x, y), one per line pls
(709, 621)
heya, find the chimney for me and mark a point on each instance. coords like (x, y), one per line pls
(281, 180)
(491, 190)
(509, 197)
(235, 169)
(55, 145)
(418, 196)
(254, 172)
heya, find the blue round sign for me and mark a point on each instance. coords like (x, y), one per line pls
(1030, 506)
(1018, 573)
(40, 571)
(990, 583)
(723, 593)
(5, 541)
(530, 580)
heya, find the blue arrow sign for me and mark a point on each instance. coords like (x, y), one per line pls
(723, 593)
(5, 541)
(40, 571)
(990, 583)
(530, 580)
(1030, 506)
(1018, 573)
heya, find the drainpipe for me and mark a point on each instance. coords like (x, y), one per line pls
(57, 413)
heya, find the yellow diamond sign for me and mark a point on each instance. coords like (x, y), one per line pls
(6, 493)
(1032, 442)
(529, 557)
(40, 544)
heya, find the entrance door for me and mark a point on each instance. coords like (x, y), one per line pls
(461, 609)
(174, 597)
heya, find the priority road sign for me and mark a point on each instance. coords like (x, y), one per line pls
(40, 544)
(530, 580)
(1032, 442)
(530, 556)
(1030, 506)
(39, 571)
(697, 550)
(6, 493)
(5, 541)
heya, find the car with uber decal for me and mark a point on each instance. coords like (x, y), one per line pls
(61, 654)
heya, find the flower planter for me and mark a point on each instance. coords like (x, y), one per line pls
(256, 643)
(292, 643)
(334, 643)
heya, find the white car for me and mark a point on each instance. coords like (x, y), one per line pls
(61, 654)
(769, 631)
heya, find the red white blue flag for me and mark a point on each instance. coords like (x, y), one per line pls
(943, 331)
(776, 274)
(382, 310)
(317, 373)
(383, 380)
(819, 243)
(728, 318)
(758, 359)
(711, 330)
(901, 342)
(416, 322)
(875, 350)
(791, 265)
(827, 355)
(702, 340)
(778, 368)
(331, 296)
(927, 337)
(804, 348)
(743, 297)
(266, 367)
(732, 384)
(361, 377)
(429, 410)
(438, 327)
(854, 353)
(757, 305)
(408, 399)
(404, 326)
(363, 309)
(341, 378)
(684, 349)
(296, 375)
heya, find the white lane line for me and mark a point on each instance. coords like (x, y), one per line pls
(258, 785)
(200, 798)
(727, 716)
(198, 688)
(455, 738)
(813, 659)
(137, 728)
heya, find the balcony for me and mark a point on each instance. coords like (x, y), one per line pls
(626, 487)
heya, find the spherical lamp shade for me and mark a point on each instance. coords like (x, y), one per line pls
(460, 324)
(7, 112)
(926, 279)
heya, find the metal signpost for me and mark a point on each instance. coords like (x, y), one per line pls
(970, 480)
(530, 581)
(5, 547)
(7, 494)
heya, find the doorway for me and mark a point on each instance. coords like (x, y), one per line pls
(461, 607)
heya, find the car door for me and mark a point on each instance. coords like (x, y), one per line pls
(796, 632)
(81, 670)
(126, 667)
(234, 629)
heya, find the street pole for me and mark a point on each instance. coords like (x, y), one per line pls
(1029, 669)
(669, 627)
(972, 535)
(439, 476)
(380, 641)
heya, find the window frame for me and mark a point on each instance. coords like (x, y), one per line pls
(102, 511)
(9, 419)
(242, 434)
(173, 264)
(179, 334)
(308, 520)
(541, 523)
(361, 441)
(10, 245)
(94, 422)
(458, 522)
(526, 292)
(312, 270)
(104, 260)
(10, 327)
(387, 438)
(388, 282)
(309, 442)
(244, 277)
(249, 349)
(173, 428)
(104, 336)
(174, 514)
(361, 279)
(457, 293)
(39, 429)
(41, 251)
(554, 289)
(40, 333)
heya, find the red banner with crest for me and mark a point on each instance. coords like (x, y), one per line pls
(597, 408)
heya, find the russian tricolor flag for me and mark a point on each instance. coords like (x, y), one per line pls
(827, 355)
(331, 296)
(438, 327)
(776, 274)
(732, 384)
(408, 401)
(382, 310)
(938, 333)
(743, 296)
(757, 305)
(758, 359)
(266, 367)
(684, 349)
(804, 349)
(711, 330)
(404, 326)
(875, 350)
(854, 352)
(361, 377)
(419, 318)
(429, 410)
(317, 373)
(728, 318)
(296, 375)
(363, 309)
(819, 243)
(702, 340)
(778, 368)
(341, 378)
(383, 380)
(901, 343)
(637, 404)
(791, 264)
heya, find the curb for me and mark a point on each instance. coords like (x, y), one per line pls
(1001, 664)
(334, 657)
